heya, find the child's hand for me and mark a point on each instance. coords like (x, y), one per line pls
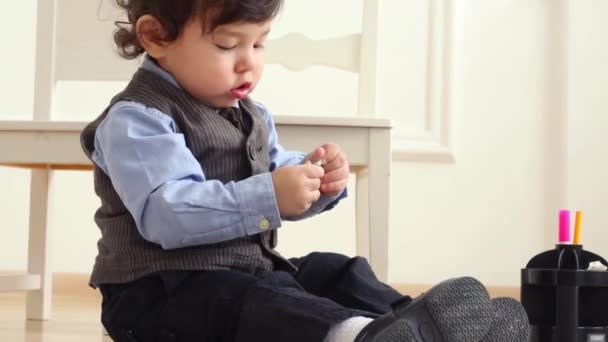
(335, 164)
(297, 187)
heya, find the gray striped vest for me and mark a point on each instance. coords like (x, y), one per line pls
(224, 152)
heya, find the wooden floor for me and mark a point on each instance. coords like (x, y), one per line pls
(75, 319)
(76, 312)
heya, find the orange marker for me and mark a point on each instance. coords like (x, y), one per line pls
(577, 227)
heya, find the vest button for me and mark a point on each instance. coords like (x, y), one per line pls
(264, 224)
(251, 152)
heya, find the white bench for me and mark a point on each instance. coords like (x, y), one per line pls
(52, 145)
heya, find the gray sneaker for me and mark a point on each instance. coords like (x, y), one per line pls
(456, 310)
(510, 322)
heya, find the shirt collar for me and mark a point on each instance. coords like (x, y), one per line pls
(151, 65)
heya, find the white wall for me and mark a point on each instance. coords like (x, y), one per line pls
(485, 214)
(588, 120)
(16, 90)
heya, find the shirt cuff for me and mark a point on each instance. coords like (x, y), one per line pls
(327, 202)
(258, 204)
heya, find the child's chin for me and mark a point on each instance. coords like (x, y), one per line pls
(233, 102)
(223, 103)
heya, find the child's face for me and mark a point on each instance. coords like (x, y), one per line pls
(221, 67)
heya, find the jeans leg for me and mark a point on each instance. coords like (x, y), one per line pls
(178, 306)
(348, 281)
(278, 309)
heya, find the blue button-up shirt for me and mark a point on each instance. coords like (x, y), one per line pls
(165, 190)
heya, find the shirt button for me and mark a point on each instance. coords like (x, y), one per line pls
(264, 224)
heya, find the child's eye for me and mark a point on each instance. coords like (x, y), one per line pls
(258, 46)
(225, 48)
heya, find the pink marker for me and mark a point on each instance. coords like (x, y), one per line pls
(564, 226)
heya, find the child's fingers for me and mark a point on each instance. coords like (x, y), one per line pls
(312, 171)
(335, 175)
(333, 165)
(314, 196)
(314, 183)
(334, 188)
(316, 156)
(336, 163)
(331, 150)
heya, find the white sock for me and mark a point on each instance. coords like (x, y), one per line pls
(346, 331)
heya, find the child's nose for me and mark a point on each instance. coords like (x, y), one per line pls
(245, 63)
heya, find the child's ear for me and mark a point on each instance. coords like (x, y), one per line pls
(151, 35)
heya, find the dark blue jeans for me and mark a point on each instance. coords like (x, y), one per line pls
(218, 306)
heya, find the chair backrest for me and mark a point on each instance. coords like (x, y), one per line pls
(69, 33)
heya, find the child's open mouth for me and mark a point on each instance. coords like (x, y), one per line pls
(242, 91)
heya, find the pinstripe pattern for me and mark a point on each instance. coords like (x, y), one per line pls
(225, 152)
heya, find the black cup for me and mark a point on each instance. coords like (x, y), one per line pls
(564, 301)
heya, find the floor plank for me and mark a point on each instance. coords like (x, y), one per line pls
(74, 319)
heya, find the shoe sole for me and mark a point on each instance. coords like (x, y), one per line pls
(457, 310)
(510, 324)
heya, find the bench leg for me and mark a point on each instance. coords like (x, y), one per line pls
(373, 204)
(39, 301)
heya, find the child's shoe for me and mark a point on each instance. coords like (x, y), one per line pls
(510, 322)
(456, 310)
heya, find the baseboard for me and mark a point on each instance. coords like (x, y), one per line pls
(73, 284)
(77, 284)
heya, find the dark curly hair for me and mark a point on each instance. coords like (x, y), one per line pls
(174, 14)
